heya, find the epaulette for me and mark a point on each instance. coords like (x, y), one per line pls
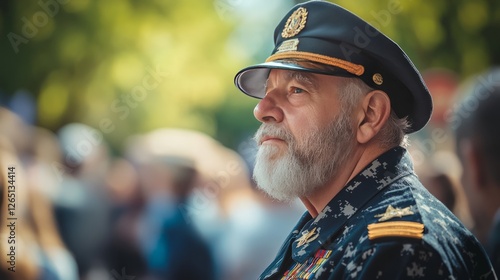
(396, 229)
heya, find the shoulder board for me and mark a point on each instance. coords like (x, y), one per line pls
(396, 229)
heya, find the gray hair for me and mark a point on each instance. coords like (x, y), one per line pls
(392, 134)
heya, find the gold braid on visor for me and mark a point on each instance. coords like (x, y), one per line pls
(350, 67)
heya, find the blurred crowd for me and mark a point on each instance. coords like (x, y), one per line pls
(176, 204)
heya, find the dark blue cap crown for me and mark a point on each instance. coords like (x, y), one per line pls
(326, 33)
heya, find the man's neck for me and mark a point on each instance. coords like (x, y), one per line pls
(356, 162)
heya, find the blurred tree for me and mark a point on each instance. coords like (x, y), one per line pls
(123, 67)
(459, 35)
(129, 66)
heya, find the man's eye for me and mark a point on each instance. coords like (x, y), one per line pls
(297, 90)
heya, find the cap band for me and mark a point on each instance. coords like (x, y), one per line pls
(350, 67)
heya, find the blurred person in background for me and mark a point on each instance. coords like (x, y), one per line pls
(43, 178)
(440, 174)
(221, 193)
(254, 225)
(335, 113)
(122, 252)
(475, 124)
(253, 231)
(57, 262)
(82, 205)
(39, 250)
(171, 245)
(26, 264)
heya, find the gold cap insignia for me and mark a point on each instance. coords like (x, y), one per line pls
(295, 23)
(307, 236)
(392, 212)
(396, 229)
(377, 79)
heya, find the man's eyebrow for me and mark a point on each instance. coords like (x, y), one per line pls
(303, 77)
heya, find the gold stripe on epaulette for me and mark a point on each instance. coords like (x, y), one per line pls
(396, 224)
(372, 236)
(396, 229)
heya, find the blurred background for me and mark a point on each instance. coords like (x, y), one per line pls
(133, 148)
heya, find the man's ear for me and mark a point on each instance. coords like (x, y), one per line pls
(372, 115)
(474, 163)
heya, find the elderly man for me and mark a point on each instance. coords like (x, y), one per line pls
(338, 98)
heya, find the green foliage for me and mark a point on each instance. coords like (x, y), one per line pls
(124, 67)
(461, 35)
(129, 66)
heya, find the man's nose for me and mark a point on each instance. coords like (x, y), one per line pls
(267, 110)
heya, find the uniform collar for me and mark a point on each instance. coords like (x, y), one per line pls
(387, 168)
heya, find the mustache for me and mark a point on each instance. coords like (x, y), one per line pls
(274, 131)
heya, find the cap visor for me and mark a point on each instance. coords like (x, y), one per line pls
(252, 80)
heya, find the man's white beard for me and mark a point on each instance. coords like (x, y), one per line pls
(304, 167)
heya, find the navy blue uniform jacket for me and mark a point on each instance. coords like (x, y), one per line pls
(382, 225)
